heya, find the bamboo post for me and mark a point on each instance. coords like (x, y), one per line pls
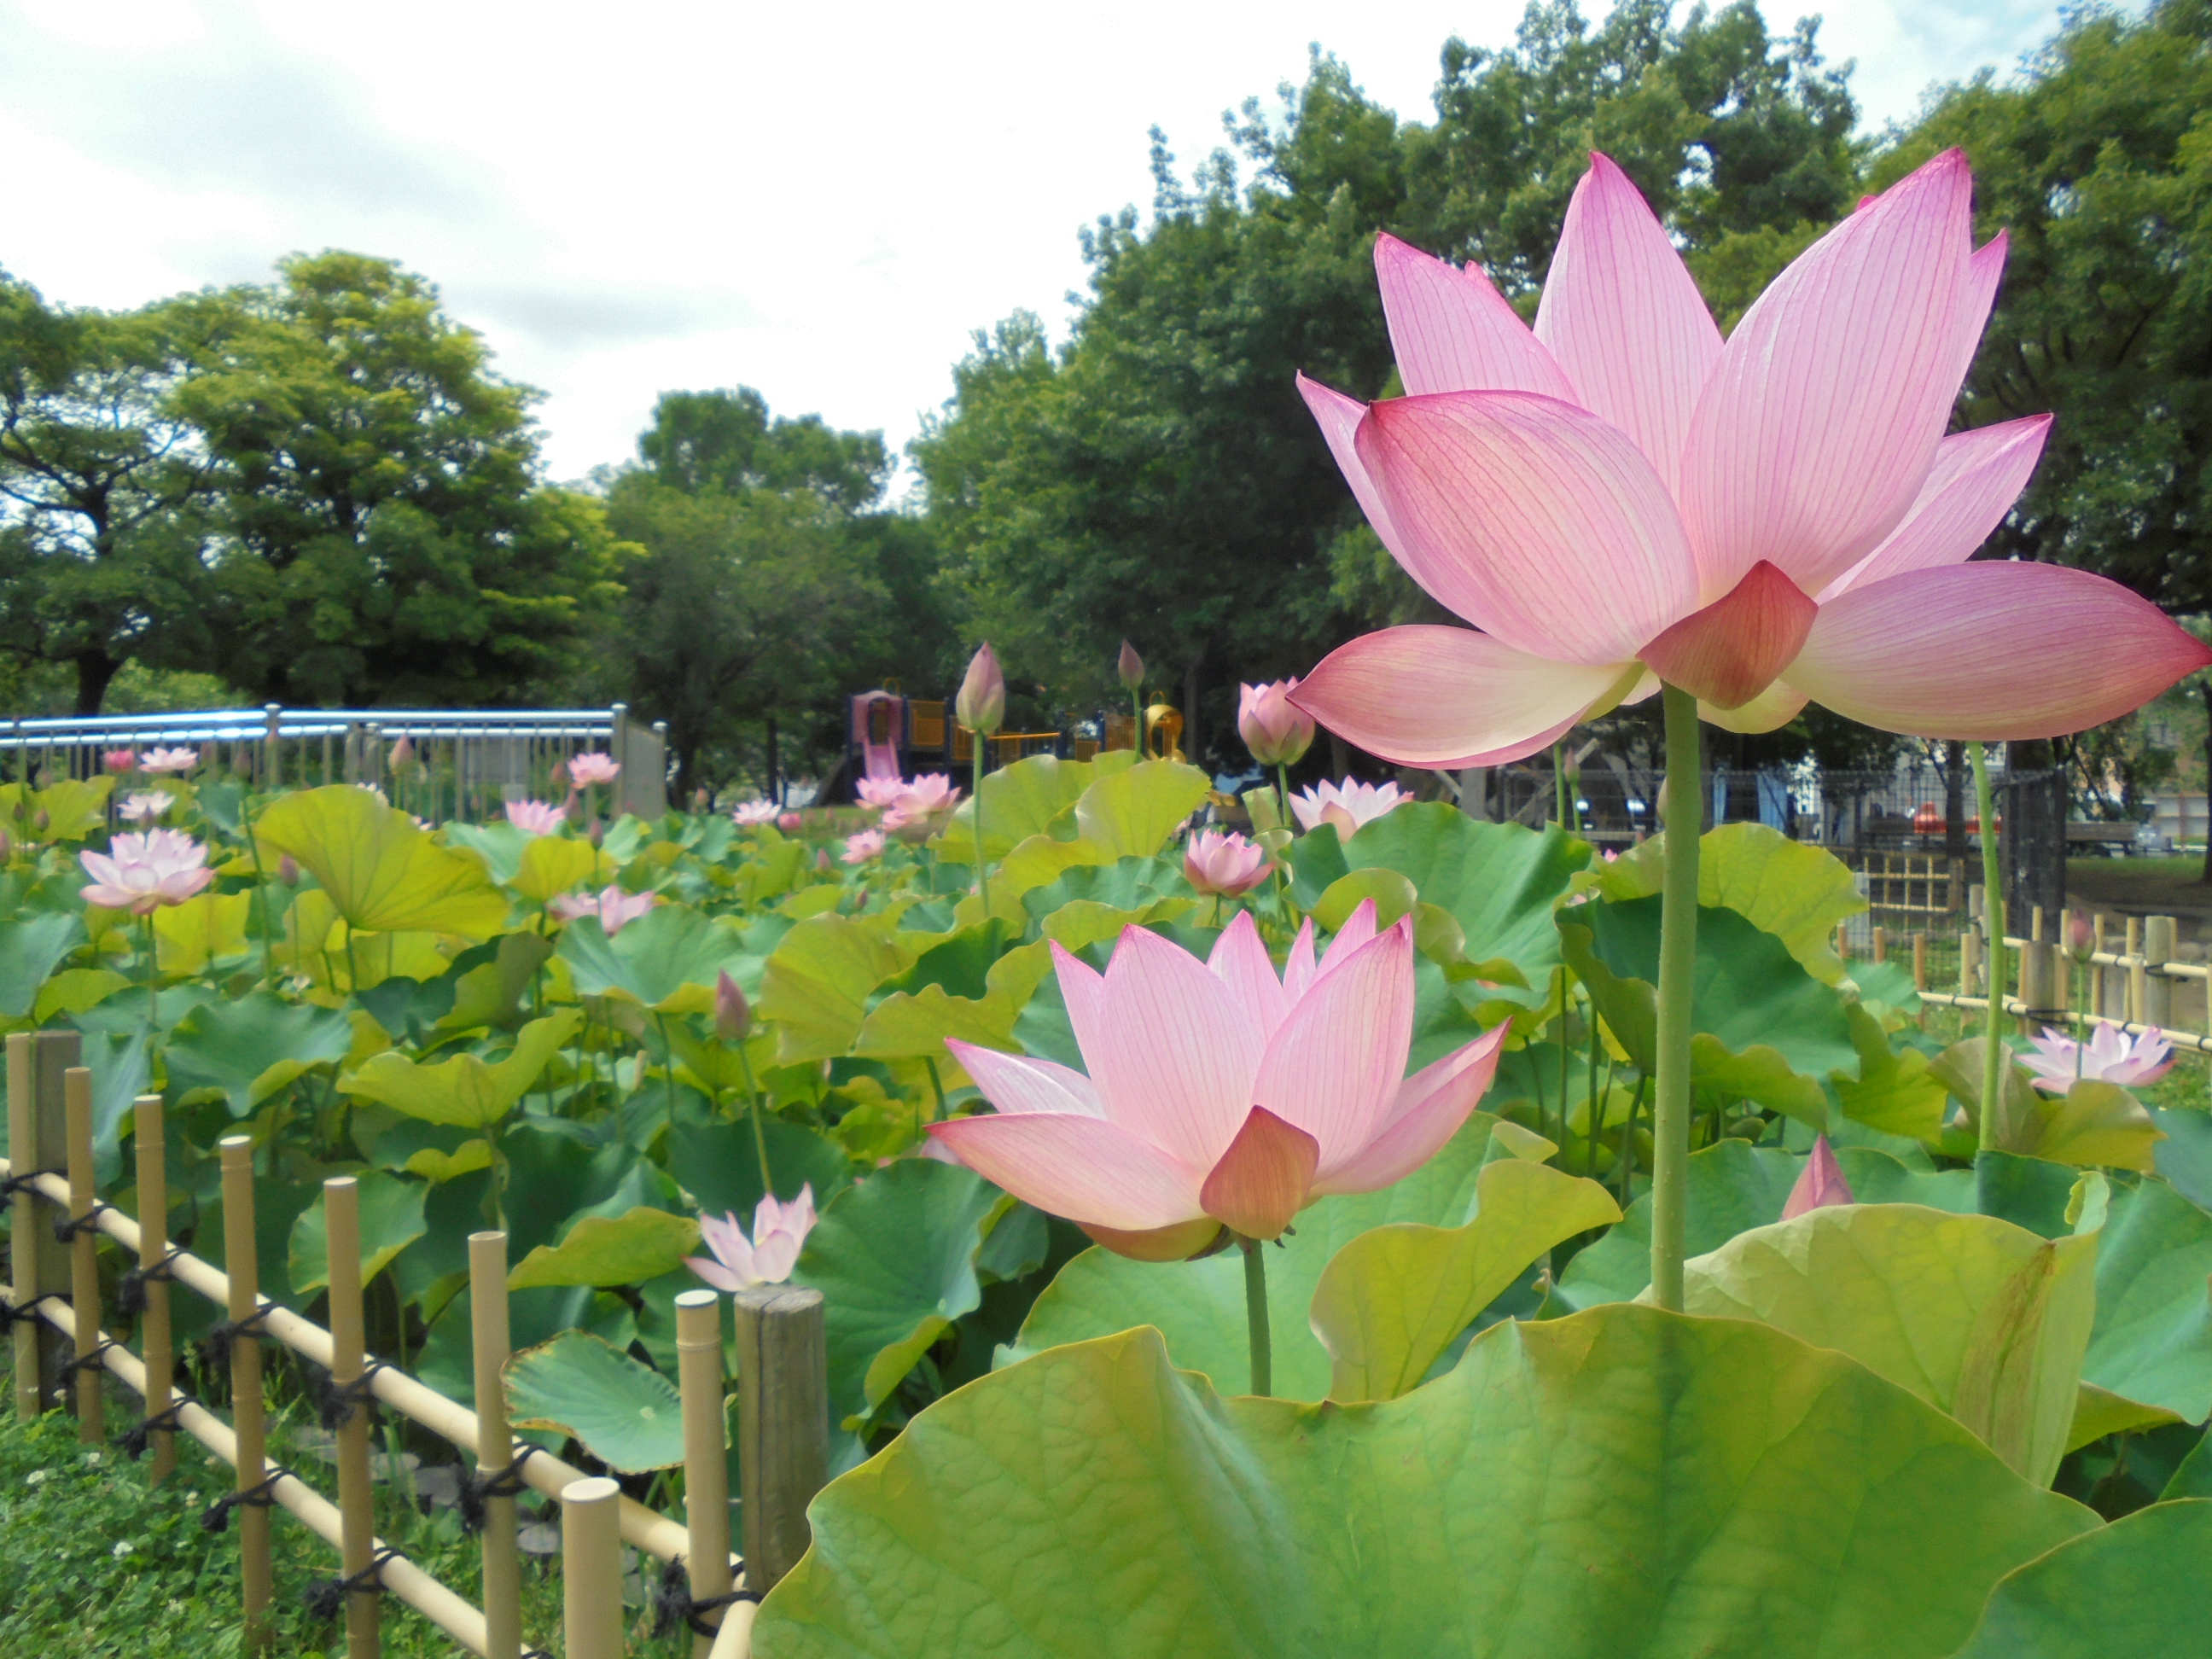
(1920, 960)
(2138, 982)
(23, 1157)
(783, 1424)
(84, 1257)
(1970, 962)
(2035, 922)
(1881, 945)
(356, 1497)
(487, 1322)
(154, 1338)
(591, 1569)
(2098, 948)
(243, 1270)
(2158, 990)
(1843, 941)
(706, 1447)
(53, 1054)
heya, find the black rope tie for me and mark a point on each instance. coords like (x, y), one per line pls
(673, 1604)
(131, 1288)
(93, 1359)
(325, 1598)
(259, 1495)
(26, 1182)
(66, 1228)
(336, 1402)
(476, 1486)
(26, 1312)
(223, 1333)
(166, 1420)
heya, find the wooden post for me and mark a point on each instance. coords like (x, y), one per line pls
(1920, 960)
(22, 1158)
(2158, 990)
(2097, 1005)
(1881, 945)
(706, 1447)
(53, 1054)
(356, 1496)
(2138, 980)
(84, 1257)
(1970, 962)
(488, 1326)
(243, 1269)
(1843, 941)
(591, 1569)
(2035, 922)
(154, 1338)
(783, 1424)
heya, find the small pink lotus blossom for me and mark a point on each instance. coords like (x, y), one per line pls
(142, 872)
(790, 822)
(139, 807)
(922, 804)
(168, 759)
(1276, 730)
(879, 792)
(595, 768)
(120, 760)
(862, 846)
(534, 818)
(753, 812)
(1219, 1092)
(768, 1256)
(613, 907)
(2107, 1057)
(1349, 806)
(1820, 1184)
(1224, 863)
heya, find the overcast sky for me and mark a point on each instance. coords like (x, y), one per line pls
(821, 201)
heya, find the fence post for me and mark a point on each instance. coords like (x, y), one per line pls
(490, 1337)
(273, 742)
(705, 1450)
(1881, 944)
(2158, 990)
(23, 1157)
(243, 1270)
(356, 1497)
(1843, 941)
(153, 1161)
(591, 1569)
(2097, 969)
(783, 1424)
(1920, 960)
(56, 1053)
(2137, 982)
(84, 1257)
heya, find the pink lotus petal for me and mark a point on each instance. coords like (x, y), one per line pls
(1819, 423)
(1333, 1068)
(1241, 962)
(1339, 417)
(1299, 967)
(1731, 651)
(1977, 477)
(1624, 317)
(1819, 1185)
(1991, 650)
(1450, 330)
(1775, 707)
(1359, 928)
(718, 1276)
(1015, 1083)
(1427, 1111)
(1083, 1168)
(1548, 519)
(775, 1257)
(1263, 1178)
(1083, 992)
(1976, 295)
(1180, 1053)
(1449, 697)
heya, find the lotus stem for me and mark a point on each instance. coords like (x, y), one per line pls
(1256, 1315)
(760, 1135)
(1993, 919)
(982, 870)
(1678, 956)
(1559, 781)
(1137, 719)
(153, 978)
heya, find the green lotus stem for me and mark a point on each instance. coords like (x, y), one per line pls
(153, 976)
(1993, 914)
(760, 1135)
(1137, 716)
(1559, 781)
(1677, 958)
(1256, 1315)
(668, 1075)
(982, 870)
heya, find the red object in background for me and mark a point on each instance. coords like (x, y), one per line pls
(1929, 820)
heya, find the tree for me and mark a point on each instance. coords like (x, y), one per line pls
(725, 440)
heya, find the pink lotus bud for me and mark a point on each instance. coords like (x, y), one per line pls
(1276, 730)
(558, 778)
(790, 822)
(1223, 864)
(822, 861)
(2081, 935)
(403, 752)
(982, 704)
(734, 1015)
(288, 870)
(120, 760)
(700, 800)
(1131, 667)
(1820, 1185)
(42, 820)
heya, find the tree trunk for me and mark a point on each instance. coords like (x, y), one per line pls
(1954, 800)
(94, 669)
(1193, 739)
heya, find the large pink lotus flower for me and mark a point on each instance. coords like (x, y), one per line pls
(765, 1258)
(1276, 730)
(1348, 805)
(595, 768)
(536, 818)
(1618, 497)
(1224, 863)
(751, 813)
(141, 873)
(168, 759)
(862, 846)
(922, 805)
(138, 808)
(119, 760)
(1219, 1094)
(879, 793)
(613, 907)
(2107, 1057)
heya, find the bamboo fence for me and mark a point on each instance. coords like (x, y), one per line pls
(55, 1300)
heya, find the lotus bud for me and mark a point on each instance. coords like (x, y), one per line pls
(790, 822)
(598, 832)
(821, 861)
(42, 821)
(402, 753)
(1820, 1184)
(734, 1015)
(2081, 935)
(288, 870)
(1276, 730)
(700, 800)
(982, 704)
(1131, 667)
(120, 760)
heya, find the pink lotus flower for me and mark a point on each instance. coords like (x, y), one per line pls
(879, 792)
(120, 760)
(536, 818)
(753, 812)
(141, 873)
(1219, 1094)
(922, 804)
(613, 907)
(766, 1258)
(1223, 864)
(1618, 496)
(167, 760)
(790, 822)
(2107, 1057)
(863, 846)
(1276, 730)
(1820, 1184)
(1348, 805)
(586, 769)
(138, 808)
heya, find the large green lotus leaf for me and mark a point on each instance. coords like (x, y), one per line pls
(817, 983)
(1623, 1482)
(2099, 1412)
(643, 1243)
(382, 873)
(2152, 1339)
(253, 1047)
(1199, 1306)
(667, 959)
(554, 864)
(718, 1165)
(1394, 1299)
(894, 1257)
(1894, 1091)
(391, 1220)
(465, 1091)
(74, 807)
(1024, 799)
(626, 1414)
(1132, 812)
(31, 948)
(2184, 1157)
(2135, 1589)
(203, 930)
(564, 1168)
(1762, 1028)
(2094, 1124)
(491, 993)
(1791, 889)
(1126, 884)
(1979, 1318)
(499, 844)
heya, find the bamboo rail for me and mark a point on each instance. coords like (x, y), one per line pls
(2043, 978)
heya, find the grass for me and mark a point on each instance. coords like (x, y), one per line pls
(2186, 866)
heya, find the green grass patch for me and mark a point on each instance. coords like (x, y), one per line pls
(2180, 866)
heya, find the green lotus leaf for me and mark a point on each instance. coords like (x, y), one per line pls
(554, 864)
(816, 982)
(74, 807)
(719, 1166)
(1894, 1091)
(188, 938)
(2093, 1124)
(2184, 1157)
(466, 1091)
(382, 873)
(2151, 1342)
(626, 1249)
(1393, 894)
(391, 1220)
(1026, 799)
(1131, 811)
(253, 1047)
(1791, 889)
(668, 959)
(626, 1413)
(1624, 1481)
(2099, 1412)
(491, 993)
(31, 948)
(2132, 1590)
